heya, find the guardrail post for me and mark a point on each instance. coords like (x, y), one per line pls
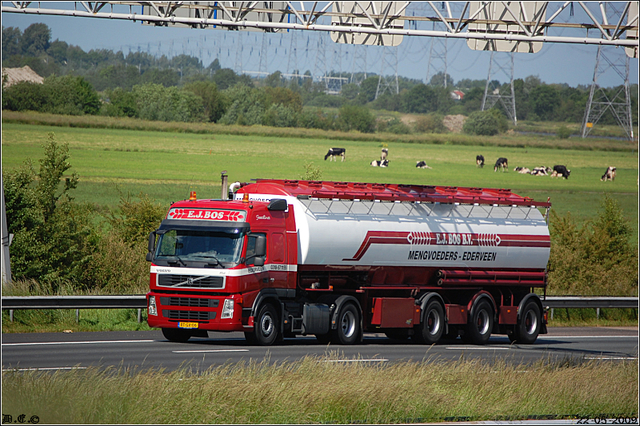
(551, 314)
(77, 315)
(597, 313)
(11, 315)
(139, 315)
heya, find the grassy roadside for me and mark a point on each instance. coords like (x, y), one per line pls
(325, 390)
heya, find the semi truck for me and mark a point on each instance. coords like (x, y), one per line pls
(335, 260)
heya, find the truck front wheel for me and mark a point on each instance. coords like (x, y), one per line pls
(432, 326)
(480, 323)
(347, 331)
(528, 328)
(266, 327)
(176, 335)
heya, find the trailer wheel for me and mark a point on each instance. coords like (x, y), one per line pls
(176, 335)
(347, 331)
(480, 323)
(432, 327)
(528, 328)
(266, 328)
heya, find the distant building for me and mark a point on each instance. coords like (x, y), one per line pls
(457, 95)
(16, 75)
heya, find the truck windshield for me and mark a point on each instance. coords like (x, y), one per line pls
(188, 246)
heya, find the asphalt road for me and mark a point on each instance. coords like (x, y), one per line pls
(149, 349)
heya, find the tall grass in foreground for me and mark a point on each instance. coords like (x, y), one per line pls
(323, 390)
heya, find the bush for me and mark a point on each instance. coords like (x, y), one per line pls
(597, 259)
(25, 96)
(563, 132)
(430, 123)
(355, 117)
(485, 123)
(156, 102)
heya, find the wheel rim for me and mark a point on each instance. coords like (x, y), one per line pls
(530, 322)
(433, 322)
(348, 324)
(266, 325)
(483, 322)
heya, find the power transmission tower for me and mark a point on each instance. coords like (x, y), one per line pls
(238, 46)
(388, 82)
(492, 89)
(359, 64)
(437, 59)
(618, 101)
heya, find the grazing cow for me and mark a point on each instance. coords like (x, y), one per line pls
(383, 155)
(422, 165)
(560, 171)
(609, 174)
(522, 170)
(501, 163)
(333, 152)
(541, 171)
(479, 161)
(380, 163)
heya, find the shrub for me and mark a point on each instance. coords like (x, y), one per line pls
(597, 259)
(563, 132)
(25, 96)
(355, 117)
(485, 123)
(430, 123)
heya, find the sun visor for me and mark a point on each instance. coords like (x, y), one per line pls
(199, 225)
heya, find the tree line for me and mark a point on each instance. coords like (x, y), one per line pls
(182, 89)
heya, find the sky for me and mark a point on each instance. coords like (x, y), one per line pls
(554, 63)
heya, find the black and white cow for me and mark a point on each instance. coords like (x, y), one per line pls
(479, 161)
(501, 163)
(380, 163)
(609, 174)
(333, 152)
(522, 170)
(560, 171)
(384, 153)
(422, 165)
(541, 171)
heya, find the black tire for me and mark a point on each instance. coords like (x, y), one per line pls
(250, 337)
(265, 329)
(433, 323)
(528, 327)
(347, 331)
(480, 323)
(176, 335)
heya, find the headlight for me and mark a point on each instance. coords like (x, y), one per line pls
(152, 306)
(227, 309)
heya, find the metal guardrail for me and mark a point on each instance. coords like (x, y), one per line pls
(139, 301)
(135, 301)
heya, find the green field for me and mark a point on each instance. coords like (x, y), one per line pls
(167, 165)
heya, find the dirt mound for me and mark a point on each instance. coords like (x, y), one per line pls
(16, 75)
(454, 122)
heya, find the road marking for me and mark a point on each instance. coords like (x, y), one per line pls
(358, 360)
(548, 336)
(87, 342)
(482, 348)
(630, 358)
(43, 368)
(210, 351)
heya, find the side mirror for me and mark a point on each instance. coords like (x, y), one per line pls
(261, 246)
(277, 205)
(151, 246)
(258, 261)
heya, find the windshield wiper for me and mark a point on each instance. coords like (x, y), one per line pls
(179, 260)
(218, 263)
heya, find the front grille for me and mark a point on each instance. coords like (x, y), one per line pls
(194, 302)
(188, 315)
(190, 281)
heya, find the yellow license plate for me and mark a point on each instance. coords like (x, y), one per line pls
(187, 325)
